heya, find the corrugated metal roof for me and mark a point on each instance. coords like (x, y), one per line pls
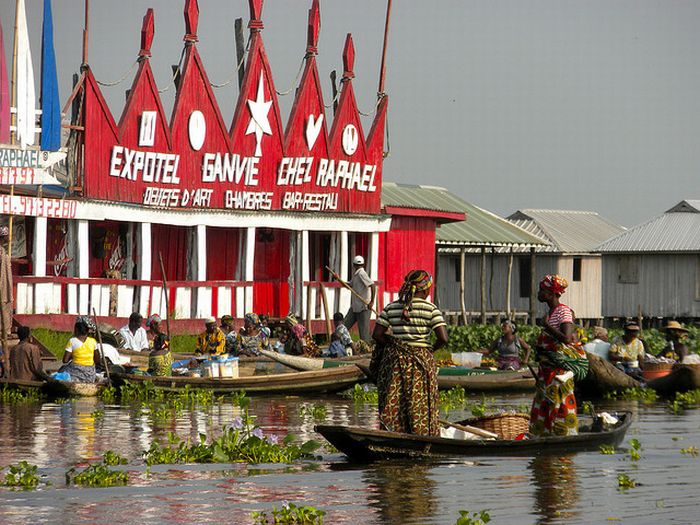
(482, 228)
(569, 231)
(677, 230)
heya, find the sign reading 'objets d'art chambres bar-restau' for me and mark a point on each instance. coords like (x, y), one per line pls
(196, 161)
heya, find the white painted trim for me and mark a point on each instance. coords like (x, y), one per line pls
(305, 270)
(203, 302)
(145, 251)
(24, 306)
(201, 253)
(83, 299)
(249, 268)
(344, 263)
(183, 303)
(125, 300)
(240, 302)
(72, 302)
(343, 300)
(40, 226)
(374, 256)
(223, 301)
(83, 251)
(96, 211)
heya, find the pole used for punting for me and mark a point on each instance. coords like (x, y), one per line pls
(346, 285)
(382, 70)
(165, 293)
(99, 340)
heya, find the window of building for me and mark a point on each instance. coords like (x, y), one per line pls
(525, 276)
(628, 269)
(577, 269)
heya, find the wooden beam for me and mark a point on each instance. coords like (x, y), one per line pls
(461, 285)
(508, 284)
(483, 285)
(533, 287)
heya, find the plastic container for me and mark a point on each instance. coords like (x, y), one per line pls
(467, 359)
(210, 369)
(229, 368)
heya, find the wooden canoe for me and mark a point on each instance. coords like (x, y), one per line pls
(20, 384)
(331, 380)
(303, 364)
(681, 379)
(54, 388)
(603, 377)
(362, 444)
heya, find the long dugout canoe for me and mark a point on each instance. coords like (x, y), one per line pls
(331, 380)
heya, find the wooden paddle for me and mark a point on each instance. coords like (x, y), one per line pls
(347, 285)
(468, 428)
(99, 340)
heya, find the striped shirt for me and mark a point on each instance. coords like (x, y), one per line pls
(560, 315)
(424, 317)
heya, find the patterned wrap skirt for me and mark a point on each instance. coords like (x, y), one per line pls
(553, 410)
(160, 365)
(406, 378)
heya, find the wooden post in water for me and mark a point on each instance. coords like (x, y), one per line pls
(462, 304)
(533, 288)
(483, 285)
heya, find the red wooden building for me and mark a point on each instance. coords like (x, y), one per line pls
(246, 215)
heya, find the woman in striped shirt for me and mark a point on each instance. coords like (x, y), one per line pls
(403, 363)
(562, 359)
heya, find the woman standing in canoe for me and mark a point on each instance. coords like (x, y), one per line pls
(403, 363)
(561, 361)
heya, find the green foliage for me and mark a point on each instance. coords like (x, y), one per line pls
(363, 394)
(608, 450)
(587, 408)
(452, 399)
(480, 409)
(98, 414)
(476, 518)
(684, 400)
(635, 451)
(12, 396)
(98, 475)
(646, 395)
(21, 476)
(54, 341)
(111, 458)
(316, 411)
(691, 451)
(241, 442)
(624, 482)
(108, 394)
(290, 514)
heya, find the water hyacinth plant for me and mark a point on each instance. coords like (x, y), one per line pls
(645, 395)
(363, 394)
(476, 518)
(624, 482)
(242, 441)
(23, 476)
(12, 396)
(289, 513)
(98, 475)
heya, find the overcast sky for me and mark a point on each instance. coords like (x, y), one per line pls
(510, 104)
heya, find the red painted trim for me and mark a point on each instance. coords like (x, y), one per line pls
(440, 216)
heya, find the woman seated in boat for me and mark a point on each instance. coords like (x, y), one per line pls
(675, 348)
(152, 328)
(561, 361)
(80, 355)
(160, 360)
(251, 339)
(627, 352)
(212, 341)
(299, 341)
(402, 363)
(508, 347)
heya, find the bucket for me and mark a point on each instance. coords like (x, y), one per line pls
(229, 368)
(467, 359)
(655, 370)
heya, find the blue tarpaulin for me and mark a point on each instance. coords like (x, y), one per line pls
(50, 108)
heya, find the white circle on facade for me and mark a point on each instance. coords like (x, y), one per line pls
(351, 139)
(197, 128)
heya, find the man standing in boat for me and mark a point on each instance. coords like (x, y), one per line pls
(362, 300)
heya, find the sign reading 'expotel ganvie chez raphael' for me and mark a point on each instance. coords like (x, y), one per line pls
(196, 161)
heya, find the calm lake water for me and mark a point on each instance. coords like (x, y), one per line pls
(578, 488)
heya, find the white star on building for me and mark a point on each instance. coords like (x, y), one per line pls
(259, 122)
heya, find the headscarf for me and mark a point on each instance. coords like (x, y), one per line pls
(252, 319)
(415, 281)
(291, 320)
(88, 321)
(554, 283)
(299, 331)
(153, 318)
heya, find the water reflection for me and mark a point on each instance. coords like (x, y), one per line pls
(556, 488)
(405, 493)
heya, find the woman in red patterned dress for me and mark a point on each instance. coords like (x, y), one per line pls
(562, 359)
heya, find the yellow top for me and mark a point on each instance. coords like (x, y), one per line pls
(82, 353)
(213, 344)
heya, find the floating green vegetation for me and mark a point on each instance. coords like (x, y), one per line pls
(690, 451)
(290, 514)
(635, 451)
(316, 411)
(241, 442)
(452, 399)
(22, 475)
(587, 408)
(147, 392)
(624, 482)
(108, 394)
(646, 395)
(363, 394)
(475, 518)
(112, 459)
(98, 414)
(62, 400)
(98, 475)
(480, 409)
(608, 450)
(684, 400)
(13, 396)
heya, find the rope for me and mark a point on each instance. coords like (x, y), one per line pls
(172, 80)
(116, 82)
(235, 72)
(296, 79)
(335, 99)
(374, 110)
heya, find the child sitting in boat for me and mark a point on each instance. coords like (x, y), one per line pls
(80, 355)
(160, 360)
(341, 342)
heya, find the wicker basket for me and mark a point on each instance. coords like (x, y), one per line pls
(507, 426)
